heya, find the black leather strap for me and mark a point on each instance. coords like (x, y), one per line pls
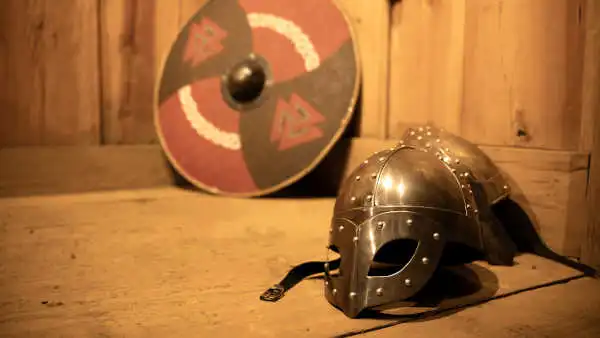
(294, 276)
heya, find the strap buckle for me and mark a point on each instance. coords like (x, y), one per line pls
(273, 294)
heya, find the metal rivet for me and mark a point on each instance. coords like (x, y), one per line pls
(412, 133)
(401, 142)
(366, 161)
(369, 198)
(381, 159)
(506, 187)
(436, 236)
(466, 174)
(407, 282)
(326, 265)
(428, 133)
(462, 186)
(334, 291)
(475, 211)
(341, 228)
(457, 161)
(357, 178)
(330, 230)
(409, 221)
(380, 225)
(419, 138)
(355, 239)
(425, 260)
(438, 140)
(447, 149)
(326, 283)
(374, 175)
(379, 292)
(468, 206)
(454, 171)
(428, 145)
(352, 294)
(420, 128)
(447, 159)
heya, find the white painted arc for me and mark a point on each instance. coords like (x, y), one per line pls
(290, 31)
(203, 127)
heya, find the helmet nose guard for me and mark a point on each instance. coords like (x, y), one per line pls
(363, 280)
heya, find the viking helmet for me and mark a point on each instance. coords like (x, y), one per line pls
(408, 202)
(450, 147)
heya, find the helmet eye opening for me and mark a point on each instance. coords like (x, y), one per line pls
(392, 257)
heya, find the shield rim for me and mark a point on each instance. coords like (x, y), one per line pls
(334, 140)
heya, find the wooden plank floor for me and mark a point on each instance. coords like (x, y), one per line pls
(172, 263)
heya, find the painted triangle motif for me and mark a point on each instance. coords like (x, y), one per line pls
(295, 123)
(204, 41)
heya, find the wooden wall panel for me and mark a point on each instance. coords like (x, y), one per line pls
(370, 21)
(591, 134)
(591, 75)
(49, 67)
(426, 64)
(498, 72)
(128, 73)
(523, 67)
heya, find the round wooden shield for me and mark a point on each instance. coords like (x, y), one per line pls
(254, 93)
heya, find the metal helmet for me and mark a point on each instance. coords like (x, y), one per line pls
(450, 147)
(397, 211)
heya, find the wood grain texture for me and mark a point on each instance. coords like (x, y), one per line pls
(426, 80)
(523, 71)
(169, 263)
(59, 170)
(128, 73)
(591, 75)
(370, 22)
(50, 72)
(548, 185)
(591, 110)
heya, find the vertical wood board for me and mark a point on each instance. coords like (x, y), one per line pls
(426, 64)
(128, 72)
(50, 72)
(370, 20)
(591, 100)
(523, 71)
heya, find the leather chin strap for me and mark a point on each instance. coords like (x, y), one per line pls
(295, 276)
